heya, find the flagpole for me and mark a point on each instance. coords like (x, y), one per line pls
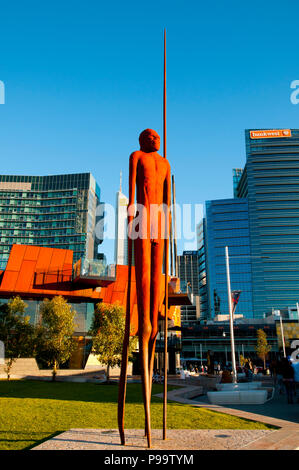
(231, 320)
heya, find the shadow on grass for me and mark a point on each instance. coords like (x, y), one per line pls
(34, 438)
(40, 441)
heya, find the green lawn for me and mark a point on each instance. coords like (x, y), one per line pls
(32, 411)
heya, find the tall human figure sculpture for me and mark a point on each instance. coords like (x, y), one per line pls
(149, 172)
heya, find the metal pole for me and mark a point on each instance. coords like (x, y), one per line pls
(166, 254)
(174, 229)
(234, 370)
(282, 336)
(171, 244)
(200, 354)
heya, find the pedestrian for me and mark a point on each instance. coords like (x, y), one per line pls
(279, 377)
(249, 374)
(288, 379)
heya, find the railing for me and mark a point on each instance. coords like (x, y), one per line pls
(185, 288)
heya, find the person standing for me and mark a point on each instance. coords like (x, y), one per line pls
(288, 379)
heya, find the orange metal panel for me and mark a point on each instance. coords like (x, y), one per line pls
(25, 278)
(9, 280)
(118, 297)
(15, 258)
(57, 260)
(31, 253)
(44, 259)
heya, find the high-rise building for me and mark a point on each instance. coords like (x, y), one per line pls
(189, 277)
(237, 173)
(227, 224)
(270, 184)
(121, 224)
(52, 211)
(202, 270)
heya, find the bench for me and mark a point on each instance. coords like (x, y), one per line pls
(233, 397)
(239, 386)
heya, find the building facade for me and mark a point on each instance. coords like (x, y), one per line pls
(51, 211)
(188, 267)
(121, 224)
(202, 270)
(227, 224)
(270, 184)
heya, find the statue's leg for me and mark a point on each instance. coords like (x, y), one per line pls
(142, 270)
(125, 354)
(156, 279)
(123, 383)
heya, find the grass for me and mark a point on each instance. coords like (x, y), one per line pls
(32, 411)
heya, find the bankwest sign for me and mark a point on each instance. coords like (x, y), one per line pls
(270, 134)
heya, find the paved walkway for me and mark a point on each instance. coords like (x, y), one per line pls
(276, 412)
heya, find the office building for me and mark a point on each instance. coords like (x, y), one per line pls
(270, 184)
(121, 224)
(227, 224)
(50, 211)
(189, 278)
(202, 270)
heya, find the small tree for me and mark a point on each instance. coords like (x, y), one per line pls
(262, 347)
(107, 330)
(55, 334)
(17, 334)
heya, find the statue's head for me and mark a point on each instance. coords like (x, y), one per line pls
(149, 141)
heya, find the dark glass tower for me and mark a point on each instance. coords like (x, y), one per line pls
(55, 211)
(189, 275)
(270, 181)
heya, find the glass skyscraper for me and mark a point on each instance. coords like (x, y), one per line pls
(270, 182)
(202, 270)
(54, 211)
(227, 224)
(189, 275)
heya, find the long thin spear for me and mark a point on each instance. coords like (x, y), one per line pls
(166, 259)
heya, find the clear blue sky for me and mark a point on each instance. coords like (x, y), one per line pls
(83, 79)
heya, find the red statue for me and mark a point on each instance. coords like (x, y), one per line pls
(151, 174)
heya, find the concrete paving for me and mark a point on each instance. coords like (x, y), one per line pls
(177, 439)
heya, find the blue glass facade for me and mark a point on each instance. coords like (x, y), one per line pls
(270, 182)
(202, 270)
(54, 211)
(227, 225)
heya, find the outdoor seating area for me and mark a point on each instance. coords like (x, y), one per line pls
(235, 397)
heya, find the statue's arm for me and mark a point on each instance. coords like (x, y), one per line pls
(132, 184)
(167, 199)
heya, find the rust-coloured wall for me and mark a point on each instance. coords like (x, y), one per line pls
(39, 272)
(33, 271)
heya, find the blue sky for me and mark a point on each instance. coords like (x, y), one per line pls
(83, 79)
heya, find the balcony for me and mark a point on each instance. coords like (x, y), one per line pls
(183, 296)
(91, 273)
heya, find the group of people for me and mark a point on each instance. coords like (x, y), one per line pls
(286, 377)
